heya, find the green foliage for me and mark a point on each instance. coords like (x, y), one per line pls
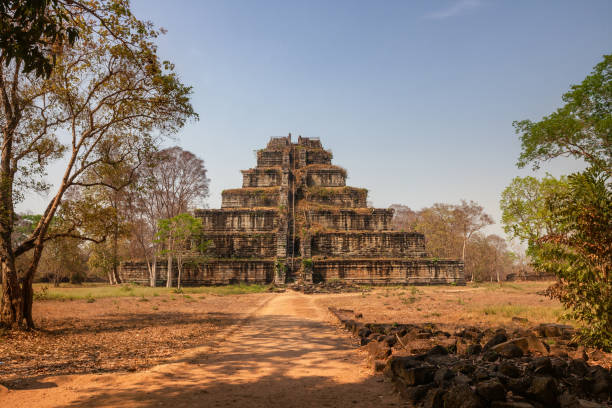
(110, 99)
(568, 222)
(24, 226)
(307, 263)
(582, 128)
(178, 235)
(32, 32)
(180, 238)
(280, 267)
(102, 259)
(579, 252)
(527, 206)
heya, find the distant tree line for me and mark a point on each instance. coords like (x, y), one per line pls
(455, 231)
(144, 208)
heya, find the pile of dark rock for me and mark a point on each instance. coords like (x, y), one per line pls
(472, 367)
(329, 287)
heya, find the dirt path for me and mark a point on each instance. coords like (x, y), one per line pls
(287, 354)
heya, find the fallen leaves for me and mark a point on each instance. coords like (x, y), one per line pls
(112, 335)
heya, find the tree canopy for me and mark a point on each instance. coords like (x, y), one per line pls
(527, 205)
(32, 33)
(582, 128)
(110, 100)
(567, 221)
(579, 252)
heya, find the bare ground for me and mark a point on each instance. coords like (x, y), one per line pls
(478, 305)
(512, 306)
(255, 350)
(286, 353)
(115, 334)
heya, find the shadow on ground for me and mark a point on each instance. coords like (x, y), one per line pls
(276, 360)
(108, 344)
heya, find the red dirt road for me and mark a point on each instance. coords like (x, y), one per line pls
(286, 354)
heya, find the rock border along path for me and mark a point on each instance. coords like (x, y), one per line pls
(476, 368)
(286, 354)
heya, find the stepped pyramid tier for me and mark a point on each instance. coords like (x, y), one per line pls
(296, 219)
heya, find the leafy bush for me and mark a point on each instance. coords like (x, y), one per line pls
(579, 253)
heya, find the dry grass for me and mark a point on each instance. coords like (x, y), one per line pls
(97, 291)
(482, 305)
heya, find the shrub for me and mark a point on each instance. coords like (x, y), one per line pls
(579, 253)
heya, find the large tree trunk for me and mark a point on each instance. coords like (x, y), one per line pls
(11, 311)
(169, 274)
(28, 300)
(27, 288)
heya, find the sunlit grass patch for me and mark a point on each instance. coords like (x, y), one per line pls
(45, 292)
(235, 289)
(531, 313)
(495, 286)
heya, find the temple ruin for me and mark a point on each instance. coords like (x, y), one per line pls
(295, 219)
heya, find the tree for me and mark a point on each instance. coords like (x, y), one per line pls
(33, 31)
(177, 180)
(172, 181)
(579, 253)
(438, 225)
(404, 219)
(109, 97)
(576, 245)
(449, 230)
(110, 184)
(489, 257)
(62, 259)
(179, 236)
(102, 261)
(582, 128)
(527, 205)
(470, 218)
(500, 250)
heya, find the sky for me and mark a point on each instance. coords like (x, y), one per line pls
(416, 99)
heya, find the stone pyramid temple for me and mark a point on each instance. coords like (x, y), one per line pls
(295, 219)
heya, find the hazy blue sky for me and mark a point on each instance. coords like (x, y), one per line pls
(415, 99)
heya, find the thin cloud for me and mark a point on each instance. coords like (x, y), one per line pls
(458, 8)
